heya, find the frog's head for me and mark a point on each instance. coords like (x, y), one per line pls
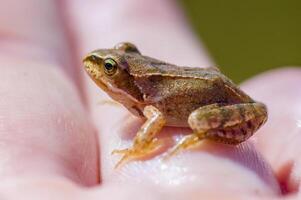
(109, 70)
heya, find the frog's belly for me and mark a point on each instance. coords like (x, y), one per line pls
(177, 110)
(176, 115)
(176, 123)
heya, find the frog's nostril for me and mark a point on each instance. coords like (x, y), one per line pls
(91, 58)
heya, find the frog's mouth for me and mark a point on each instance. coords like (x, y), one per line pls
(91, 69)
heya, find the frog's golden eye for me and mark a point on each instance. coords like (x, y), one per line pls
(110, 66)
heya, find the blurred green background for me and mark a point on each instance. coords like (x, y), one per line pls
(248, 37)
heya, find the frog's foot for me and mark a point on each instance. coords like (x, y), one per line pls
(137, 151)
(187, 142)
(145, 142)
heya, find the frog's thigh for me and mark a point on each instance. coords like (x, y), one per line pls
(145, 142)
(228, 124)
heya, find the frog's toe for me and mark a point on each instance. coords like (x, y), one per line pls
(128, 155)
(186, 142)
(138, 151)
(119, 151)
(125, 158)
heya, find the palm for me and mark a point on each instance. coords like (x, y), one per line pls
(55, 134)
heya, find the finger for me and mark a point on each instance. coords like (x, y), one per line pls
(43, 28)
(215, 166)
(101, 24)
(44, 128)
(279, 140)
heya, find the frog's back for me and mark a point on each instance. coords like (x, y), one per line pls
(147, 66)
(177, 91)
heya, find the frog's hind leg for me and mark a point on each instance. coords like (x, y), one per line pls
(145, 142)
(230, 124)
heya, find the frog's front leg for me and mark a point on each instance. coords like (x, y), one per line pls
(230, 124)
(145, 142)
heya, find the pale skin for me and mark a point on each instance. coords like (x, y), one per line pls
(168, 95)
(49, 120)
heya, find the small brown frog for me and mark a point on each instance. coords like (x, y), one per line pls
(168, 95)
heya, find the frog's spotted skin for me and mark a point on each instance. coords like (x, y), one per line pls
(167, 95)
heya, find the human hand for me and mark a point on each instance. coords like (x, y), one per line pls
(50, 118)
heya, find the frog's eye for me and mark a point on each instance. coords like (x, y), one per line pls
(110, 66)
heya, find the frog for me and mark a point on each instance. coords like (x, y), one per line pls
(164, 94)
